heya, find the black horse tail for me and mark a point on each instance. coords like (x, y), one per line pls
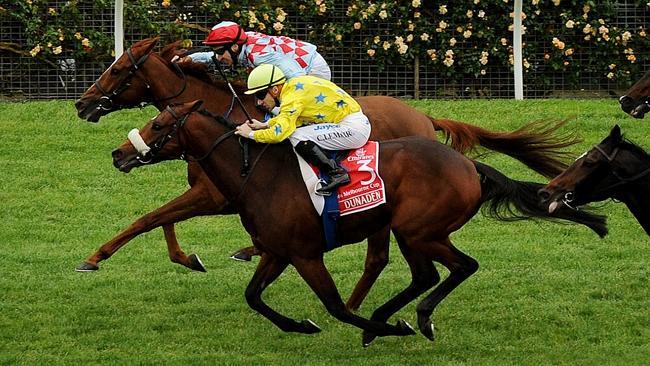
(511, 200)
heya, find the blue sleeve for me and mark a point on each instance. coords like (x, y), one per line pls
(288, 65)
(202, 57)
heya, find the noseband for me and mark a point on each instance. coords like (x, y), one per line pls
(106, 102)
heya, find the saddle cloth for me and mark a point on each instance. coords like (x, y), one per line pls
(366, 188)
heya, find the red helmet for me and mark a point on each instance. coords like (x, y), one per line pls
(226, 34)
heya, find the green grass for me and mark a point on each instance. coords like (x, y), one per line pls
(545, 293)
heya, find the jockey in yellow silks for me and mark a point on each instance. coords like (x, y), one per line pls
(314, 114)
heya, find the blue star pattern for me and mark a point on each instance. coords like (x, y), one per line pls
(340, 103)
(320, 116)
(278, 129)
(320, 98)
(300, 86)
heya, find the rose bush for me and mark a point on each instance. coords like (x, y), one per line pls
(456, 40)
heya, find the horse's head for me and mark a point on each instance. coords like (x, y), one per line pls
(157, 140)
(120, 86)
(636, 101)
(598, 174)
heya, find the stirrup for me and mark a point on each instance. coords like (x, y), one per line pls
(330, 187)
(322, 192)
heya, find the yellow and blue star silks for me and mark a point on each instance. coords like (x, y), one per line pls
(306, 100)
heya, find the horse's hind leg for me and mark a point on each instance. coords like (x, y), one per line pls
(460, 267)
(376, 261)
(423, 277)
(313, 271)
(194, 202)
(268, 269)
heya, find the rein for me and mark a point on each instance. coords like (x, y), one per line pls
(242, 141)
(106, 102)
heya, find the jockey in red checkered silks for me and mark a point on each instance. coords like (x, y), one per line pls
(233, 46)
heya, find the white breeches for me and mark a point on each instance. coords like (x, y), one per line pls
(351, 133)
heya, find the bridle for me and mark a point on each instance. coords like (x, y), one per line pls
(569, 196)
(180, 122)
(106, 102)
(621, 180)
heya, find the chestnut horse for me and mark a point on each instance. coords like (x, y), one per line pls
(636, 101)
(143, 76)
(615, 168)
(431, 189)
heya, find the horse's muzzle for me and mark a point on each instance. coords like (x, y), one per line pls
(640, 111)
(90, 112)
(125, 162)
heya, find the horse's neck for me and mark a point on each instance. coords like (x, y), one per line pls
(224, 164)
(217, 98)
(637, 200)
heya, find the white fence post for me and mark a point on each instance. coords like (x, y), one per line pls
(516, 45)
(119, 28)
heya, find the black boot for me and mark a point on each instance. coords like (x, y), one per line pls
(314, 155)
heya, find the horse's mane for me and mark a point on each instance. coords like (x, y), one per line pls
(196, 69)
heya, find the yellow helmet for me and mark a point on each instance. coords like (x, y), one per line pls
(263, 77)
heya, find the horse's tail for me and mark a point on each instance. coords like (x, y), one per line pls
(536, 144)
(511, 200)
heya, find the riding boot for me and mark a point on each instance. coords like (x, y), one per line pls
(314, 155)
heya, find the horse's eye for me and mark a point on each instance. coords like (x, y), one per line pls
(114, 71)
(156, 127)
(590, 162)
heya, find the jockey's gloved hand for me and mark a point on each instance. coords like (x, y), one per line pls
(244, 130)
(179, 59)
(257, 125)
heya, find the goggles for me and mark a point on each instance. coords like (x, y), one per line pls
(261, 94)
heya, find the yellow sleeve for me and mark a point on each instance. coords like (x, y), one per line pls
(282, 125)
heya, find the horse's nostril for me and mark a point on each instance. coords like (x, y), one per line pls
(117, 154)
(544, 194)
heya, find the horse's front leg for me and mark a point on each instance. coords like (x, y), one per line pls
(198, 200)
(268, 269)
(313, 271)
(376, 261)
(245, 254)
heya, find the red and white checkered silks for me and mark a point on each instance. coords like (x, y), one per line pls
(259, 45)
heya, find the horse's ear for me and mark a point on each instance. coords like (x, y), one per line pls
(615, 134)
(196, 105)
(170, 50)
(152, 43)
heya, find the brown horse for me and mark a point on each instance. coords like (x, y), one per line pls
(615, 168)
(431, 192)
(143, 76)
(636, 101)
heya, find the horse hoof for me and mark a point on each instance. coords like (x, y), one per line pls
(404, 327)
(309, 327)
(195, 263)
(428, 330)
(367, 338)
(86, 267)
(241, 256)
